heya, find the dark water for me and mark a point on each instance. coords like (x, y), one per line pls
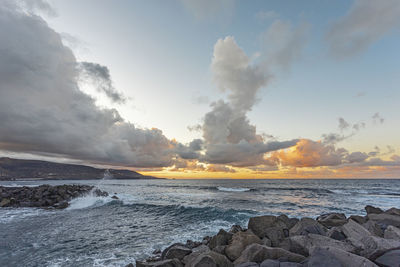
(152, 214)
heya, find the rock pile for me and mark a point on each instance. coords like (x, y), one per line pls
(331, 240)
(44, 196)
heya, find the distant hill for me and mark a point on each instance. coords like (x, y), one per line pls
(16, 169)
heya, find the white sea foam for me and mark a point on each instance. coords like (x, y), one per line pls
(91, 200)
(229, 189)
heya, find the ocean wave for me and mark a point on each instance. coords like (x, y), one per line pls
(233, 189)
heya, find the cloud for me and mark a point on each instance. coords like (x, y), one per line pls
(357, 157)
(343, 124)
(100, 77)
(366, 22)
(220, 168)
(43, 110)
(284, 43)
(377, 118)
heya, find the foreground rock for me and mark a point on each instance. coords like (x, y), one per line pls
(44, 196)
(330, 240)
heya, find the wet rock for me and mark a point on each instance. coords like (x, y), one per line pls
(5, 202)
(393, 211)
(389, 259)
(164, 263)
(235, 228)
(322, 257)
(115, 197)
(195, 253)
(258, 253)
(239, 242)
(372, 210)
(192, 244)
(332, 219)
(176, 251)
(209, 259)
(307, 226)
(392, 233)
(220, 239)
(220, 249)
(346, 258)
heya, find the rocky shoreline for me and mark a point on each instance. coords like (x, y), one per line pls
(330, 240)
(45, 196)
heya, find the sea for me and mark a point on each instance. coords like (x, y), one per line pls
(152, 214)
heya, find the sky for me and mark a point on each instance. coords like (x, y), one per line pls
(204, 89)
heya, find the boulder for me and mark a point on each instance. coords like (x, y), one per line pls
(266, 242)
(220, 239)
(347, 259)
(239, 242)
(372, 210)
(336, 233)
(258, 253)
(358, 219)
(389, 259)
(355, 233)
(375, 246)
(209, 259)
(385, 218)
(164, 263)
(249, 264)
(260, 223)
(5, 202)
(176, 252)
(393, 211)
(290, 264)
(306, 226)
(220, 249)
(276, 235)
(302, 244)
(322, 257)
(270, 263)
(235, 228)
(332, 219)
(392, 233)
(195, 253)
(373, 228)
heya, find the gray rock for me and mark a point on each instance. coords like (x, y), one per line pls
(385, 218)
(164, 263)
(235, 228)
(336, 233)
(358, 219)
(249, 264)
(290, 264)
(219, 249)
(270, 263)
(332, 219)
(220, 239)
(374, 246)
(210, 258)
(392, 233)
(322, 257)
(355, 233)
(372, 210)
(5, 202)
(239, 242)
(259, 224)
(389, 259)
(276, 235)
(266, 242)
(177, 252)
(195, 253)
(373, 228)
(347, 259)
(393, 211)
(306, 226)
(303, 244)
(259, 253)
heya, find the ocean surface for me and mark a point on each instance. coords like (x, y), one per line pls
(152, 214)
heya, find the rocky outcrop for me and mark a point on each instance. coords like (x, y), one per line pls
(44, 196)
(331, 240)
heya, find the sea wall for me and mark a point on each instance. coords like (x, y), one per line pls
(330, 240)
(44, 196)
